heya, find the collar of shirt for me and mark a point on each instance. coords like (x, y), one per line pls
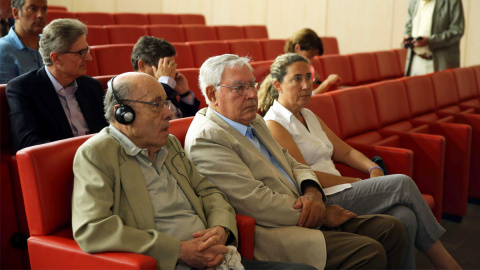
(132, 150)
(239, 127)
(16, 40)
(281, 110)
(58, 87)
(167, 80)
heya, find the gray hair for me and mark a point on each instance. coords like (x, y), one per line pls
(267, 93)
(211, 71)
(59, 36)
(122, 90)
(18, 4)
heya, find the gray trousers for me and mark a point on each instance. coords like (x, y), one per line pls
(395, 195)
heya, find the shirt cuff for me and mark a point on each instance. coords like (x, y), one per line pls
(190, 99)
(169, 81)
(310, 182)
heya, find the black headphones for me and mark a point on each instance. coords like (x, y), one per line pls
(124, 114)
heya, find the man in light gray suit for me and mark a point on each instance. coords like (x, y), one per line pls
(433, 32)
(231, 145)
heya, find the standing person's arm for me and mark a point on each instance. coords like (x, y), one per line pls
(453, 23)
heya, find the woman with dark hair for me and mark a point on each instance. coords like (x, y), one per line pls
(308, 44)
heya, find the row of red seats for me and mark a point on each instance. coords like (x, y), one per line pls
(105, 18)
(117, 34)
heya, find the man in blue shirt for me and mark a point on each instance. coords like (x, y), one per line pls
(19, 49)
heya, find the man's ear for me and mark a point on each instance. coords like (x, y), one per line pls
(296, 48)
(54, 57)
(141, 66)
(16, 13)
(211, 94)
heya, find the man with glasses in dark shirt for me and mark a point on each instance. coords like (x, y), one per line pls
(57, 101)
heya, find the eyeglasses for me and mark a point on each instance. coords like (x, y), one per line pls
(82, 52)
(158, 105)
(242, 89)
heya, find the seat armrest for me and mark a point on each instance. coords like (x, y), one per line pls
(246, 235)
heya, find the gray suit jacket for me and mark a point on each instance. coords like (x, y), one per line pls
(255, 187)
(447, 30)
(111, 207)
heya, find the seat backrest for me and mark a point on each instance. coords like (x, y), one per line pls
(330, 45)
(324, 107)
(364, 68)
(95, 18)
(97, 35)
(59, 14)
(246, 47)
(104, 80)
(194, 32)
(391, 102)
(402, 57)
(130, 18)
(340, 65)
(226, 32)
(46, 175)
(192, 77)
(317, 65)
(356, 111)
(57, 8)
(272, 48)
(476, 71)
(420, 94)
(5, 131)
(121, 34)
(159, 18)
(169, 32)
(179, 128)
(92, 68)
(202, 50)
(261, 69)
(191, 19)
(184, 58)
(255, 31)
(445, 89)
(113, 59)
(466, 83)
(388, 65)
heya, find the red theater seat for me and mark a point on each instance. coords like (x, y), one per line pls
(104, 80)
(50, 8)
(130, 18)
(466, 87)
(364, 68)
(179, 128)
(92, 68)
(191, 19)
(330, 45)
(272, 48)
(59, 14)
(340, 65)
(184, 58)
(122, 34)
(199, 32)
(169, 32)
(402, 57)
(192, 77)
(202, 50)
(248, 47)
(159, 18)
(388, 65)
(95, 18)
(226, 32)
(113, 59)
(97, 35)
(261, 69)
(255, 31)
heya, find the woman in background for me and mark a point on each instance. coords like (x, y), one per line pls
(283, 96)
(308, 44)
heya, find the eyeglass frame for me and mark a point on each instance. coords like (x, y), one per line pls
(167, 103)
(253, 85)
(82, 51)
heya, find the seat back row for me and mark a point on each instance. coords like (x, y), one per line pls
(104, 18)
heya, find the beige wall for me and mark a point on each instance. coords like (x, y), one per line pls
(359, 25)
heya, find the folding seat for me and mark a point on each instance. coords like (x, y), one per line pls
(255, 31)
(359, 126)
(340, 65)
(122, 34)
(130, 18)
(261, 69)
(318, 67)
(388, 65)
(393, 111)
(250, 48)
(95, 18)
(272, 48)
(467, 88)
(169, 32)
(421, 99)
(97, 35)
(476, 71)
(92, 68)
(446, 93)
(113, 59)
(50, 8)
(202, 50)
(192, 77)
(191, 19)
(104, 80)
(226, 32)
(184, 57)
(402, 57)
(59, 14)
(162, 18)
(199, 32)
(179, 127)
(364, 68)
(330, 45)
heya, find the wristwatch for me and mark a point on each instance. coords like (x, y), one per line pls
(185, 94)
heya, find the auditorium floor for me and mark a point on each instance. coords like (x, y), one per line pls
(462, 240)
